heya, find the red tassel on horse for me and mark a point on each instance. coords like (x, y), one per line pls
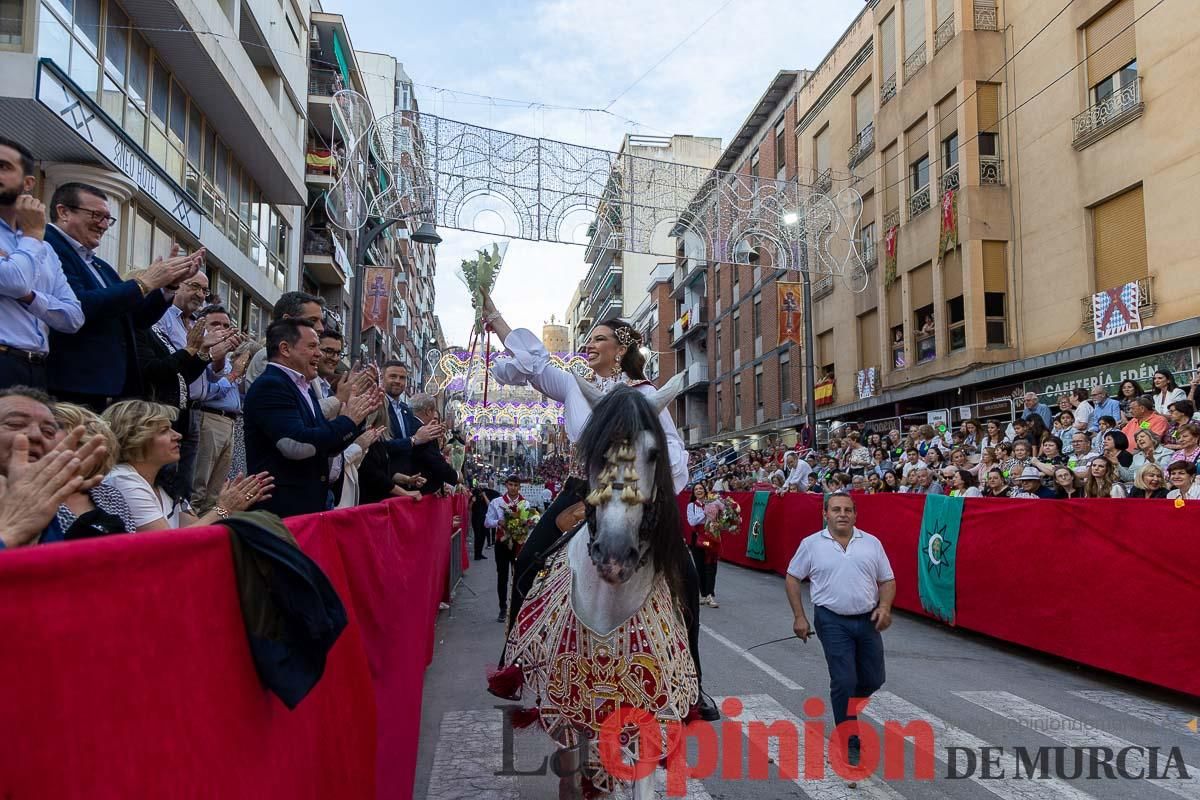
(506, 683)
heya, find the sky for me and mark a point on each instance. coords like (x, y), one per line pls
(532, 57)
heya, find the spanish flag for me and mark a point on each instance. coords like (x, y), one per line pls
(823, 393)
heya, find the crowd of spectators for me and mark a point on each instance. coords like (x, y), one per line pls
(134, 403)
(1141, 444)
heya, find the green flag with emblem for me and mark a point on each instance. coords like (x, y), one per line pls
(937, 553)
(756, 543)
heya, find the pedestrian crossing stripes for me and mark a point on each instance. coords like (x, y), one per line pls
(1073, 733)
(787, 682)
(766, 709)
(887, 706)
(1159, 714)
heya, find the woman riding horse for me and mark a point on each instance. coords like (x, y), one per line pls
(613, 355)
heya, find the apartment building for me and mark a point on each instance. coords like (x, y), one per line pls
(188, 115)
(616, 278)
(1058, 142)
(654, 319)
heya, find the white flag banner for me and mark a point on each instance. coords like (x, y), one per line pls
(1115, 311)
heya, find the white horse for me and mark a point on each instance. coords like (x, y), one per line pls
(603, 624)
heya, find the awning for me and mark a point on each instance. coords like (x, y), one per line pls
(340, 55)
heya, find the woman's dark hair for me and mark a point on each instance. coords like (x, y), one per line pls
(1185, 407)
(1186, 466)
(1080, 393)
(622, 416)
(1120, 440)
(1166, 373)
(967, 477)
(634, 363)
(1058, 489)
(1137, 388)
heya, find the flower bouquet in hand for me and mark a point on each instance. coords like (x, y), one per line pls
(517, 525)
(479, 275)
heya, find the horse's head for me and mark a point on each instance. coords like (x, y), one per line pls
(632, 517)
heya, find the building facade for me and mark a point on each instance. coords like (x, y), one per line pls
(187, 115)
(653, 319)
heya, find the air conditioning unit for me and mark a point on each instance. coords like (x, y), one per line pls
(790, 409)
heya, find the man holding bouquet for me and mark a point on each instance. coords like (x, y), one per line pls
(513, 519)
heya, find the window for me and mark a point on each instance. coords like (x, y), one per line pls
(914, 27)
(864, 108)
(956, 314)
(12, 23)
(926, 335)
(757, 316)
(160, 92)
(919, 173)
(717, 282)
(737, 398)
(950, 153)
(754, 163)
(785, 378)
(821, 151)
(1119, 240)
(736, 337)
(1113, 83)
(996, 318)
(87, 23)
(866, 243)
(758, 387)
(887, 50)
(720, 410)
(898, 347)
(780, 149)
(869, 354)
(116, 42)
(987, 101)
(718, 340)
(1111, 50)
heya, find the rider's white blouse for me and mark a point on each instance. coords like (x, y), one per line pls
(530, 363)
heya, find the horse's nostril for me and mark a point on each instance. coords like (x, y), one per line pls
(632, 554)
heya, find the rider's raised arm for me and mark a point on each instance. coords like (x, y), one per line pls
(530, 363)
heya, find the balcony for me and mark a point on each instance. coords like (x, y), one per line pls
(948, 181)
(891, 219)
(823, 182)
(991, 170)
(822, 287)
(868, 252)
(696, 433)
(325, 258)
(918, 202)
(914, 63)
(697, 377)
(686, 271)
(864, 145)
(1146, 304)
(887, 91)
(324, 82)
(985, 15)
(1118, 109)
(944, 33)
(692, 320)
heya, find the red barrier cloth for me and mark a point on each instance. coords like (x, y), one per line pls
(1107, 583)
(126, 673)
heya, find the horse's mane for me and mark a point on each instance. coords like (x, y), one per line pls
(622, 415)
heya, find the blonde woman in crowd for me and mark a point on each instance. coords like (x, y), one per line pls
(147, 443)
(1101, 480)
(1149, 482)
(102, 509)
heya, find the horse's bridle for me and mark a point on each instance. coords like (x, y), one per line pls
(619, 481)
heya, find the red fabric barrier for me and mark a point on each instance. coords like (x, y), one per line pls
(1107, 583)
(126, 673)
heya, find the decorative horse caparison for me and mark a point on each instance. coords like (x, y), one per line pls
(602, 627)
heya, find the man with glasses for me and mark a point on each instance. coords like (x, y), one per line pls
(331, 356)
(1102, 406)
(217, 405)
(98, 365)
(35, 296)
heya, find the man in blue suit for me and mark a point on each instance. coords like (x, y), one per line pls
(98, 365)
(286, 433)
(408, 432)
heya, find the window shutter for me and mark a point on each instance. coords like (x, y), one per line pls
(1110, 42)
(825, 349)
(869, 354)
(921, 286)
(995, 267)
(891, 191)
(914, 26)
(822, 149)
(917, 140)
(952, 278)
(887, 45)
(987, 98)
(947, 117)
(1120, 240)
(895, 306)
(864, 107)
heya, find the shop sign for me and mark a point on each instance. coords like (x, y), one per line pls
(1110, 376)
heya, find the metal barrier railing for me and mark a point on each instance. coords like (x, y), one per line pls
(456, 571)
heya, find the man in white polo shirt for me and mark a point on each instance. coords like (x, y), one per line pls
(852, 592)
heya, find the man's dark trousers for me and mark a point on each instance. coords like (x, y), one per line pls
(504, 561)
(480, 540)
(854, 653)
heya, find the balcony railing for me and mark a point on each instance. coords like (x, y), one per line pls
(888, 90)
(868, 252)
(697, 317)
(891, 219)
(823, 182)
(1122, 106)
(944, 34)
(991, 170)
(948, 181)
(697, 373)
(318, 242)
(822, 287)
(1146, 304)
(864, 145)
(918, 202)
(985, 15)
(914, 63)
(324, 82)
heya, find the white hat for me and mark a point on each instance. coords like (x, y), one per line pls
(1030, 474)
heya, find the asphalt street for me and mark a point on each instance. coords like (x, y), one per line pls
(974, 693)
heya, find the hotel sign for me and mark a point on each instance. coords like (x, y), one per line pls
(57, 93)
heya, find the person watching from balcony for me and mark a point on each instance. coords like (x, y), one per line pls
(1166, 391)
(1143, 417)
(1102, 406)
(1101, 479)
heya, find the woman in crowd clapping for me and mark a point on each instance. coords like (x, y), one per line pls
(147, 444)
(1101, 480)
(1149, 482)
(102, 509)
(1066, 484)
